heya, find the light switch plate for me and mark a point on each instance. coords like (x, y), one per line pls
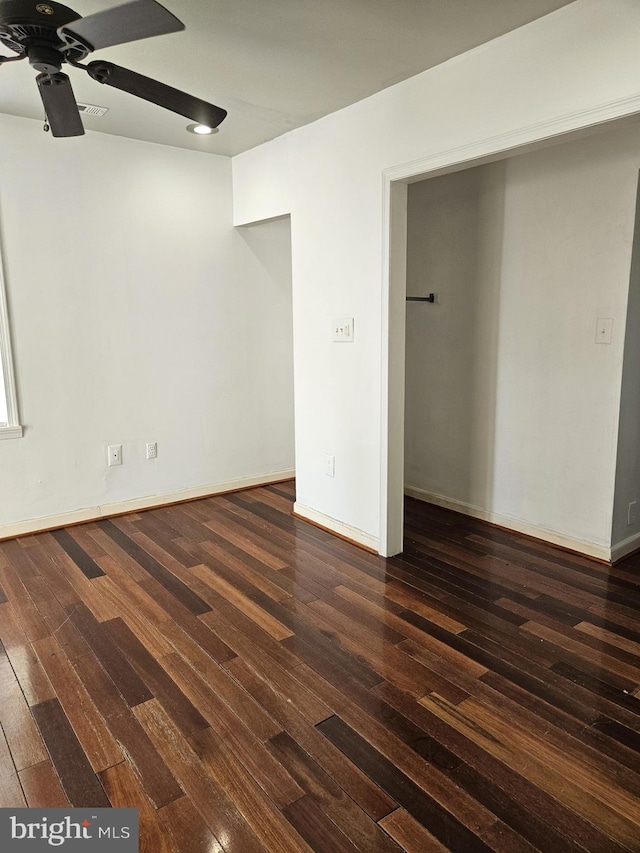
(342, 330)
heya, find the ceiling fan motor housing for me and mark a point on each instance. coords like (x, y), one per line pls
(30, 27)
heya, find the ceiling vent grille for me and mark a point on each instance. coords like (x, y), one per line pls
(92, 110)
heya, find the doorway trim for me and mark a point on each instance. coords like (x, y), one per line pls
(395, 181)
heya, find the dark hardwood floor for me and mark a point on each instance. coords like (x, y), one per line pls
(251, 683)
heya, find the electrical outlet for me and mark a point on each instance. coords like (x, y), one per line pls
(114, 454)
(632, 512)
(152, 450)
(330, 465)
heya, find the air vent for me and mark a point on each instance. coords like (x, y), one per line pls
(92, 110)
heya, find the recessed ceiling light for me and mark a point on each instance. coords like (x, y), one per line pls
(201, 129)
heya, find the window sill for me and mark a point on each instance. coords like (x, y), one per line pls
(10, 432)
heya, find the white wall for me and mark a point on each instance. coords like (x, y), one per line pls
(505, 383)
(3, 401)
(262, 194)
(454, 249)
(625, 535)
(568, 70)
(138, 314)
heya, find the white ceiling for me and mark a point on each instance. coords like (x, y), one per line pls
(275, 64)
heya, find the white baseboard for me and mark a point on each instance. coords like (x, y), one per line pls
(338, 527)
(589, 549)
(626, 547)
(94, 513)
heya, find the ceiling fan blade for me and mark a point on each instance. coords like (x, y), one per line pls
(60, 104)
(138, 19)
(157, 93)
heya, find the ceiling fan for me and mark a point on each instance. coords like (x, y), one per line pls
(50, 34)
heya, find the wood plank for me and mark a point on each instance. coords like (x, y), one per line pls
(133, 607)
(570, 650)
(157, 780)
(88, 723)
(363, 833)
(11, 791)
(424, 808)
(16, 721)
(409, 834)
(83, 561)
(376, 620)
(230, 567)
(285, 684)
(186, 830)
(245, 540)
(80, 783)
(609, 637)
(17, 558)
(501, 838)
(164, 535)
(254, 756)
(390, 662)
(616, 829)
(196, 628)
(591, 781)
(187, 718)
(163, 576)
(228, 772)
(360, 788)
(586, 639)
(537, 680)
(272, 626)
(123, 675)
(215, 806)
(330, 660)
(42, 788)
(81, 534)
(612, 688)
(388, 734)
(24, 661)
(320, 833)
(75, 580)
(241, 635)
(60, 589)
(116, 556)
(535, 814)
(158, 552)
(219, 699)
(129, 596)
(125, 792)
(31, 621)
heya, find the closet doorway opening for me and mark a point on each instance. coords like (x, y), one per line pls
(492, 368)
